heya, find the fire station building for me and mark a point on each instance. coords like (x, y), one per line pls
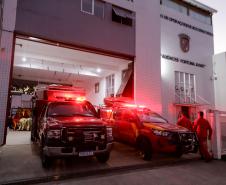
(158, 52)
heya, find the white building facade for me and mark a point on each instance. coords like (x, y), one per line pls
(219, 62)
(167, 77)
(186, 58)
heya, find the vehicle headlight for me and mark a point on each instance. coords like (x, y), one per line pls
(53, 134)
(160, 133)
(109, 134)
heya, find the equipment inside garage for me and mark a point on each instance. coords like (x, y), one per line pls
(38, 62)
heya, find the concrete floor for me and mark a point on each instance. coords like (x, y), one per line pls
(195, 173)
(22, 162)
(18, 137)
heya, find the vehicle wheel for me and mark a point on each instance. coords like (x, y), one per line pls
(196, 149)
(33, 130)
(145, 149)
(46, 160)
(178, 153)
(33, 138)
(103, 158)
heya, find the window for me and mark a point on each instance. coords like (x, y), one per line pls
(122, 16)
(110, 83)
(87, 6)
(128, 115)
(93, 7)
(117, 115)
(97, 87)
(150, 117)
(70, 109)
(206, 19)
(99, 8)
(43, 112)
(191, 11)
(174, 5)
(185, 90)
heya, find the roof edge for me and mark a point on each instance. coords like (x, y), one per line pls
(200, 5)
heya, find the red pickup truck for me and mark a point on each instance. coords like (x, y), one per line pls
(147, 130)
(65, 124)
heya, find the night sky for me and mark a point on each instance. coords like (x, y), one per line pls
(219, 23)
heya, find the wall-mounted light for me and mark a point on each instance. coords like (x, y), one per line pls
(24, 59)
(99, 70)
(34, 38)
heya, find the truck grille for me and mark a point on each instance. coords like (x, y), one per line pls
(83, 135)
(187, 138)
(90, 136)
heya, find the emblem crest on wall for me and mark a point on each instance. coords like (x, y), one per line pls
(184, 42)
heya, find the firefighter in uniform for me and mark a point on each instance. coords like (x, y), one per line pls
(204, 131)
(185, 122)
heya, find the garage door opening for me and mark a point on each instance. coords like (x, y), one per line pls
(37, 63)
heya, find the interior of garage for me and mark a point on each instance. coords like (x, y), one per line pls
(38, 62)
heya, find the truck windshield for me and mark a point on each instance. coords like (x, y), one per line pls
(71, 109)
(149, 116)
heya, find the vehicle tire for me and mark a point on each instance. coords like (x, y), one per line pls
(33, 130)
(145, 148)
(178, 152)
(103, 158)
(46, 160)
(196, 149)
(33, 138)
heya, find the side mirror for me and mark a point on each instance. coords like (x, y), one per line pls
(98, 113)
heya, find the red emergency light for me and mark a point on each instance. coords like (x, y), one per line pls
(130, 105)
(134, 106)
(67, 96)
(61, 93)
(122, 102)
(80, 98)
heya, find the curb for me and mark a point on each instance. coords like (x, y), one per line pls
(91, 173)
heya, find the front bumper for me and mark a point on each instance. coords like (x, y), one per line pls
(184, 142)
(72, 151)
(188, 143)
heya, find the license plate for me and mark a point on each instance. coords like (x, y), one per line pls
(83, 154)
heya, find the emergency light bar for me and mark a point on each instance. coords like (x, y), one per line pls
(61, 93)
(132, 105)
(53, 95)
(122, 102)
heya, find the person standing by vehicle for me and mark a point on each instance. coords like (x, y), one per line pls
(204, 131)
(185, 122)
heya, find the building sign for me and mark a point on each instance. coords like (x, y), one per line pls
(184, 42)
(186, 25)
(188, 62)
